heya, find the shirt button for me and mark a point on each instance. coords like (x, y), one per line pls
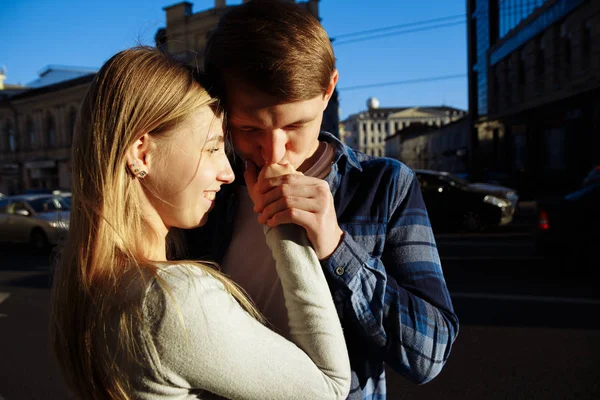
(340, 271)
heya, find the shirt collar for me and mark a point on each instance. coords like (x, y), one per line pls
(340, 151)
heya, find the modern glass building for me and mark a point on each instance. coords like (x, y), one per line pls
(491, 21)
(483, 38)
(512, 12)
(534, 89)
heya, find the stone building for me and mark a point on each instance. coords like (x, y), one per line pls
(427, 147)
(36, 130)
(368, 130)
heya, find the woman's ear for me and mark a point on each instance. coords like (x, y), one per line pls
(138, 157)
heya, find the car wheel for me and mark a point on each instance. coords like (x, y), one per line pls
(472, 221)
(38, 240)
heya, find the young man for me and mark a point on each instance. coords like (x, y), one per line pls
(364, 216)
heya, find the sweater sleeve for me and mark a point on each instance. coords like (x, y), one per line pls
(204, 340)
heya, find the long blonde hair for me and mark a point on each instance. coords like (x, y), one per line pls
(137, 91)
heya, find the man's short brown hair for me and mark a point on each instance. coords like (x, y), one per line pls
(274, 46)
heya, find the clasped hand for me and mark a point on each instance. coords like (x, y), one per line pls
(282, 195)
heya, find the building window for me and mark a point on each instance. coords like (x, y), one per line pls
(555, 149)
(30, 133)
(540, 66)
(521, 74)
(519, 152)
(51, 131)
(586, 45)
(557, 75)
(508, 76)
(10, 134)
(72, 120)
(4, 137)
(494, 91)
(513, 12)
(540, 63)
(566, 50)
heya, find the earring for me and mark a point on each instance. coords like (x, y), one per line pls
(138, 172)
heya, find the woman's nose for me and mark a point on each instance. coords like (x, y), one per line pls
(226, 174)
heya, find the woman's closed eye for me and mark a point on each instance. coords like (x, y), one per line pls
(215, 149)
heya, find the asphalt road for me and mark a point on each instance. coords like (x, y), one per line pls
(530, 329)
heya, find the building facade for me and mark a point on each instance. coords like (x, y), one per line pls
(37, 120)
(368, 130)
(441, 149)
(534, 90)
(36, 132)
(186, 34)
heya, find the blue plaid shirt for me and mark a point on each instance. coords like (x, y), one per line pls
(385, 276)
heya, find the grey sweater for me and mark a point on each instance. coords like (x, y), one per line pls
(202, 344)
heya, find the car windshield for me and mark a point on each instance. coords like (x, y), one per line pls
(48, 204)
(455, 180)
(65, 202)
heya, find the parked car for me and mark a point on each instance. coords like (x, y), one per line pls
(37, 191)
(38, 219)
(569, 226)
(454, 203)
(65, 195)
(492, 177)
(592, 176)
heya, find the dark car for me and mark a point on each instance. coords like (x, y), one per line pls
(569, 226)
(454, 203)
(492, 177)
(592, 176)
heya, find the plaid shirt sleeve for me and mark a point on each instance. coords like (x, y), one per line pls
(398, 300)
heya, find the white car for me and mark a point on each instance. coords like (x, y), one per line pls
(38, 219)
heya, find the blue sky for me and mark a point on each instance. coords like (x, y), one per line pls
(80, 33)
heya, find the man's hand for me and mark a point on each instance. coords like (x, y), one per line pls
(281, 195)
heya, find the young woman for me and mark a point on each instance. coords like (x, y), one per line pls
(131, 323)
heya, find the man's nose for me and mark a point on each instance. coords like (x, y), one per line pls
(274, 147)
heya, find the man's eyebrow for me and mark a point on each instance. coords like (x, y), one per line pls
(302, 121)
